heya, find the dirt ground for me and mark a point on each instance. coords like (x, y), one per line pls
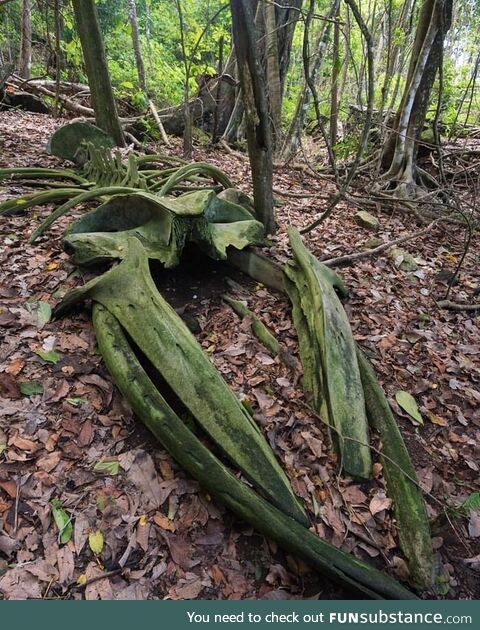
(66, 433)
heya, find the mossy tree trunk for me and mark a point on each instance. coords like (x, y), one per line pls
(104, 105)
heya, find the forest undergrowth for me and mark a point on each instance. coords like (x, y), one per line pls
(65, 431)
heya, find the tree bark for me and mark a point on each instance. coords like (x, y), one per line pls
(292, 138)
(273, 71)
(137, 51)
(25, 58)
(399, 155)
(335, 77)
(106, 114)
(253, 84)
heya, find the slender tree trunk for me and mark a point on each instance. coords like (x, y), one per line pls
(287, 16)
(101, 90)
(253, 84)
(273, 71)
(25, 58)
(399, 155)
(292, 137)
(188, 130)
(218, 91)
(335, 77)
(137, 51)
(58, 55)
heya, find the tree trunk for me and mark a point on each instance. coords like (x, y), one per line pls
(253, 84)
(287, 16)
(335, 77)
(273, 71)
(132, 17)
(25, 58)
(106, 114)
(292, 139)
(399, 155)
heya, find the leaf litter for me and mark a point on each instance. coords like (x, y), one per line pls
(67, 435)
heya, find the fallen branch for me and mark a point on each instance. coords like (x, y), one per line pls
(161, 128)
(342, 261)
(66, 102)
(456, 306)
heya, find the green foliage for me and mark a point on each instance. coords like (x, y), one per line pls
(160, 42)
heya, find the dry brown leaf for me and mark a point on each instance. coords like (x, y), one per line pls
(17, 584)
(353, 494)
(85, 436)
(9, 486)
(189, 588)
(23, 444)
(66, 564)
(143, 475)
(101, 588)
(181, 551)
(81, 528)
(49, 462)
(217, 574)
(15, 367)
(163, 522)
(380, 502)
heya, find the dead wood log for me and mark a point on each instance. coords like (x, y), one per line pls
(202, 107)
(66, 87)
(69, 104)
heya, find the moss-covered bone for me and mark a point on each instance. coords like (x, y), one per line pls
(163, 225)
(66, 141)
(402, 485)
(129, 293)
(329, 357)
(198, 461)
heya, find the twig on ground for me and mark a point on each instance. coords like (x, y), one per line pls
(456, 306)
(346, 260)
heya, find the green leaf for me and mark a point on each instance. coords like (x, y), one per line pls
(76, 401)
(50, 357)
(43, 311)
(62, 521)
(30, 388)
(408, 403)
(96, 541)
(107, 467)
(127, 84)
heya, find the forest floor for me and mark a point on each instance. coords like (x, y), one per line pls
(66, 432)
